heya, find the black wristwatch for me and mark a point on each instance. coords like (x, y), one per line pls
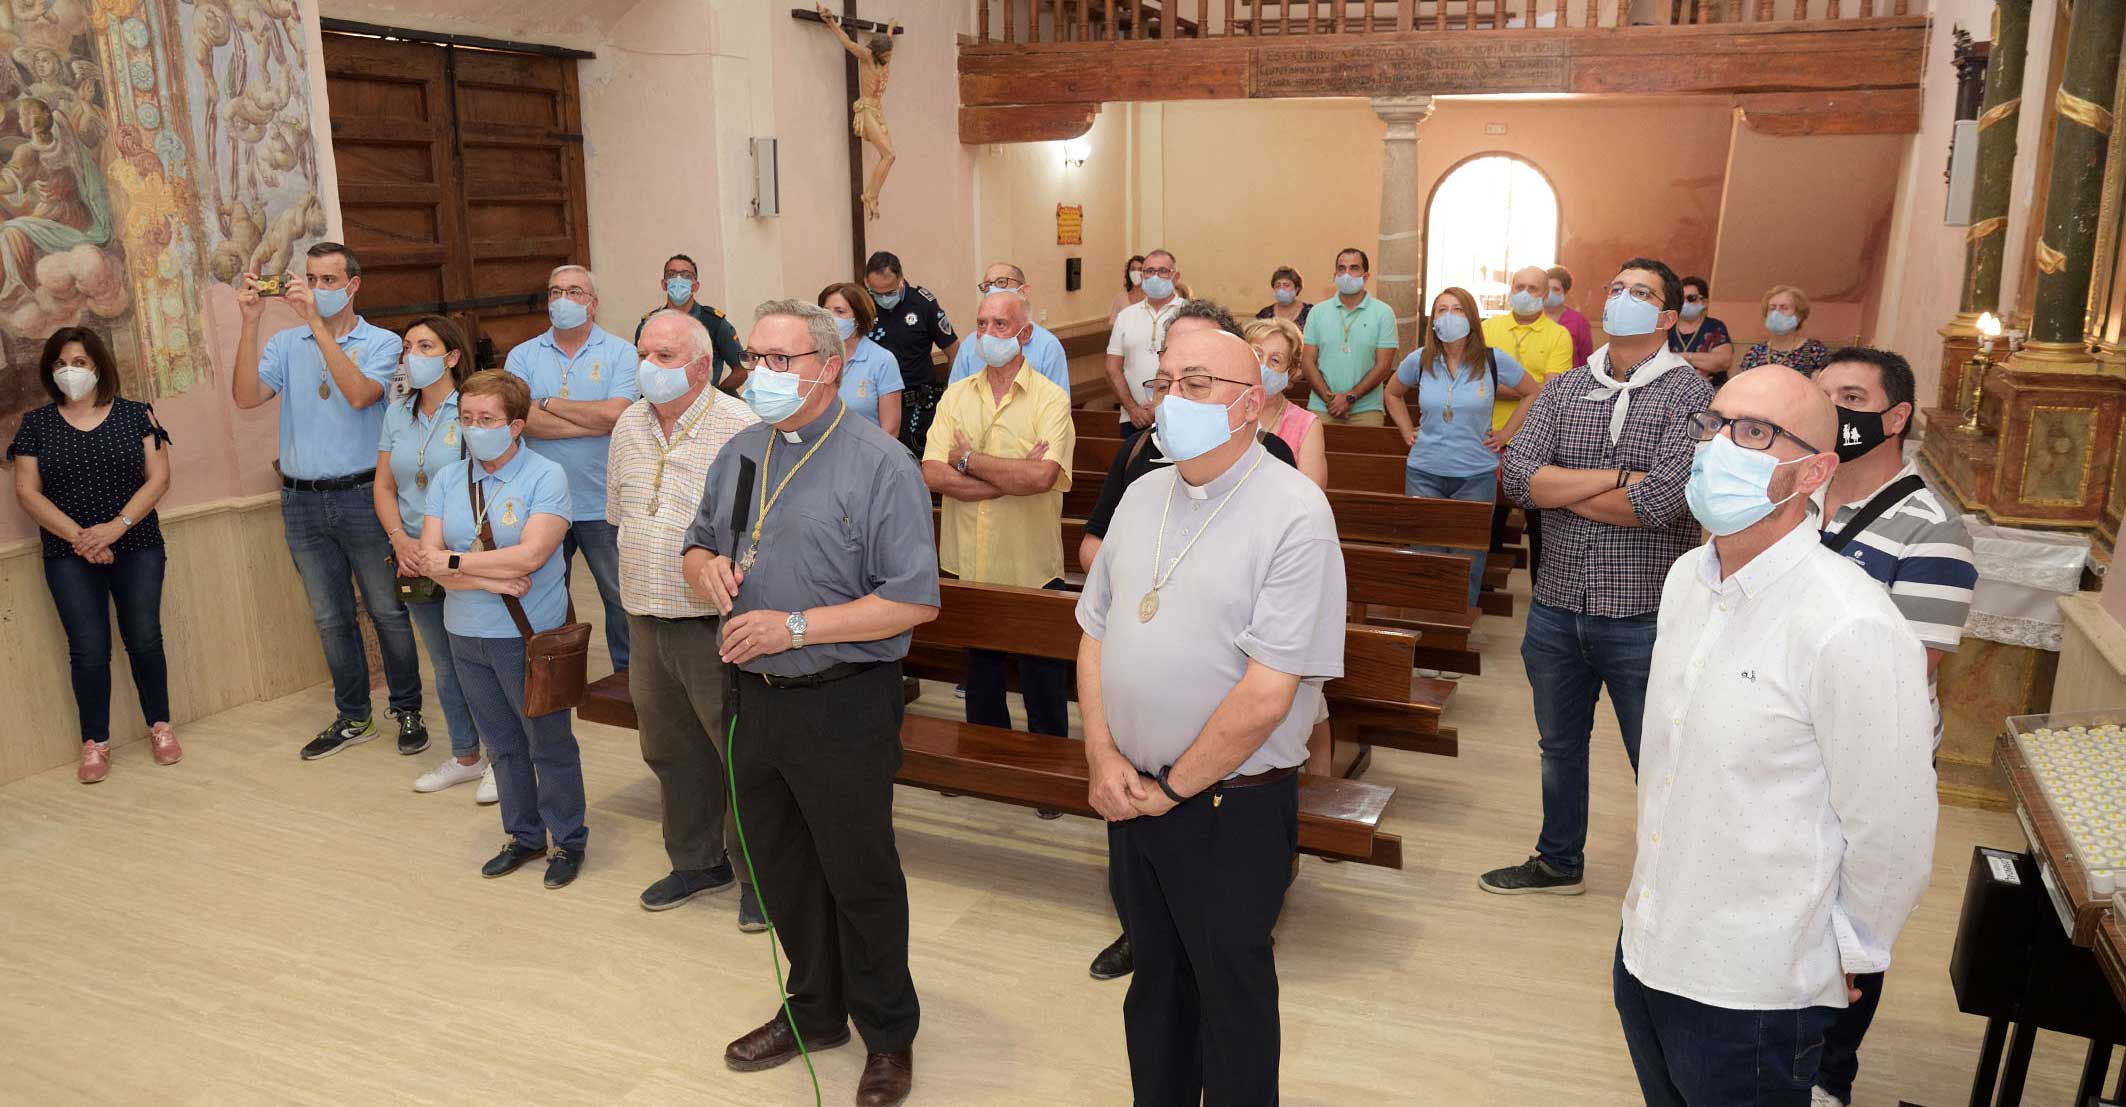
(1177, 797)
(454, 562)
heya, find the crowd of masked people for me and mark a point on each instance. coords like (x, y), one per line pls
(1733, 550)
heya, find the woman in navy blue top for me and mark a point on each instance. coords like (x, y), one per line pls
(89, 468)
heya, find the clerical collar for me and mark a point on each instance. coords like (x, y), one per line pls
(817, 426)
(1223, 482)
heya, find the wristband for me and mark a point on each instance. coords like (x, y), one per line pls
(1623, 475)
(1177, 797)
(127, 520)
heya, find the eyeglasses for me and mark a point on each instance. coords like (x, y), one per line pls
(1001, 284)
(482, 421)
(1748, 433)
(580, 295)
(1192, 386)
(1161, 271)
(1693, 298)
(778, 362)
(1637, 292)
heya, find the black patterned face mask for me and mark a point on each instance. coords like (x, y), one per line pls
(1859, 432)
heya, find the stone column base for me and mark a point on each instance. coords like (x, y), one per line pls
(1980, 685)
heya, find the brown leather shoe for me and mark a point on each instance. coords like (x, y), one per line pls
(771, 1043)
(888, 1077)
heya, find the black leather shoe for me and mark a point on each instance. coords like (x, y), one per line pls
(512, 858)
(771, 1043)
(563, 866)
(1116, 960)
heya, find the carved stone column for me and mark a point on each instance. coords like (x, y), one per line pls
(1399, 259)
(2080, 148)
(1987, 236)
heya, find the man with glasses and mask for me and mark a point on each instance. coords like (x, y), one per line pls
(1138, 335)
(910, 323)
(827, 567)
(1213, 615)
(1044, 351)
(1879, 514)
(1786, 802)
(682, 280)
(1603, 453)
(582, 378)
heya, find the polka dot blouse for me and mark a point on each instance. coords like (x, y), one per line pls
(91, 474)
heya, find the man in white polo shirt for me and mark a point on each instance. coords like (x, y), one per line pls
(1139, 332)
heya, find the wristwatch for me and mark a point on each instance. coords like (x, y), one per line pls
(543, 401)
(126, 519)
(961, 464)
(454, 562)
(1168, 788)
(796, 623)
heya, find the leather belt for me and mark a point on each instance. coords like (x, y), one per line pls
(329, 484)
(838, 671)
(1257, 780)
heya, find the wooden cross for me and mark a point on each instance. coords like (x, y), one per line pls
(856, 144)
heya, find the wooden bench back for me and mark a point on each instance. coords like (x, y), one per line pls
(1382, 472)
(1384, 576)
(1380, 517)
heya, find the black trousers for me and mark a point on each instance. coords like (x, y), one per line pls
(814, 769)
(1200, 887)
(1043, 681)
(1534, 529)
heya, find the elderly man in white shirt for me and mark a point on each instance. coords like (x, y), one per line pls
(1786, 786)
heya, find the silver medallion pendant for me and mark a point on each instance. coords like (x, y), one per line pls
(1148, 606)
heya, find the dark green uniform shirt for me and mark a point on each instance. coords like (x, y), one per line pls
(730, 356)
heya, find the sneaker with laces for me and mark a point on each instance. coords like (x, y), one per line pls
(450, 774)
(1531, 877)
(681, 885)
(413, 733)
(487, 792)
(751, 919)
(95, 762)
(343, 732)
(1820, 1098)
(163, 741)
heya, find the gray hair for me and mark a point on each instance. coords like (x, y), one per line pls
(1020, 309)
(1163, 252)
(819, 322)
(1017, 273)
(698, 340)
(589, 278)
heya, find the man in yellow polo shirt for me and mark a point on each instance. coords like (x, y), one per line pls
(999, 453)
(1544, 348)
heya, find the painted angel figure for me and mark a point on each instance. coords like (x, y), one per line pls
(867, 116)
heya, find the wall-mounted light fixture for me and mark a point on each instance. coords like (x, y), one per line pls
(1075, 151)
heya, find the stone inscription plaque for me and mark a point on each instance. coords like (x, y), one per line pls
(1432, 68)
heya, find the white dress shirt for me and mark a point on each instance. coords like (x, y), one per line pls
(1786, 785)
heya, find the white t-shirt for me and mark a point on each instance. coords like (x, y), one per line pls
(1137, 335)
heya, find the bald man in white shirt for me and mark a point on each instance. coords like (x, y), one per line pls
(1786, 785)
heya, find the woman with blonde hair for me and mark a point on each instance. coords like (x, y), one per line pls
(1276, 343)
(1786, 309)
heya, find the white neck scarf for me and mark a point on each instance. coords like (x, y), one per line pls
(1619, 392)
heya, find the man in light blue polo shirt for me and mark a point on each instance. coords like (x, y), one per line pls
(332, 374)
(582, 377)
(1349, 347)
(1044, 351)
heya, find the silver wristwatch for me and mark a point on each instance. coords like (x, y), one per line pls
(961, 464)
(796, 623)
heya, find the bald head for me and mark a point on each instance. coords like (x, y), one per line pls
(1002, 312)
(1210, 350)
(1779, 395)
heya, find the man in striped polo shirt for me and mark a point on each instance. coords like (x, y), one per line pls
(1913, 545)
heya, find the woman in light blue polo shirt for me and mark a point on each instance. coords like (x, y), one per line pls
(524, 499)
(419, 442)
(871, 377)
(1454, 454)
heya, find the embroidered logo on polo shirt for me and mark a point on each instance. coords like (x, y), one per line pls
(595, 367)
(909, 319)
(863, 389)
(450, 434)
(509, 513)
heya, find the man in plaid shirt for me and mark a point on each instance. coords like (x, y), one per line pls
(1604, 453)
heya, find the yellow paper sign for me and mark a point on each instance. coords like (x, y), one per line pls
(1070, 224)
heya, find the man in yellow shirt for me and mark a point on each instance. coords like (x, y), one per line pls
(1544, 348)
(999, 453)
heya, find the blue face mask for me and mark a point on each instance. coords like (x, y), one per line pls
(677, 289)
(423, 370)
(1285, 295)
(887, 301)
(1158, 288)
(1451, 327)
(1730, 487)
(1554, 300)
(661, 385)
(1189, 429)
(1524, 303)
(489, 443)
(1693, 310)
(1782, 322)
(773, 396)
(566, 314)
(844, 326)
(1624, 317)
(330, 301)
(1350, 284)
(1274, 381)
(996, 350)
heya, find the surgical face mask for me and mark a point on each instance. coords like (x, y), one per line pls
(489, 443)
(1554, 300)
(844, 326)
(1285, 295)
(661, 384)
(566, 314)
(773, 396)
(677, 289)
(1158, 288)
(1189, 429)
(1136, 276)
(423, 370)
(1524, 302)
(1350, 284)
(1781, 322)
(1624, 317)
(1730, 487)
(1693, 309)
(996, 350)
(1451, 327)
(1859, 432)
(1274, 381)
(74, 381)
(330, 301)
(887, 301)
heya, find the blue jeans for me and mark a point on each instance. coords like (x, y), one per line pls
(1690, 1054)
(84, 594)
(428, 620)
(600, 543)
(1482, 489)
(1841, 1044)
(334, 536)
(1570, 658)
(538, 767)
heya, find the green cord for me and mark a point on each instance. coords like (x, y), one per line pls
(730, 745)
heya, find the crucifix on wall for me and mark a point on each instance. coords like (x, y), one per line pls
(869, 67)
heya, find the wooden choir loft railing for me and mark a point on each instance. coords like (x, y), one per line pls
(1011, 22)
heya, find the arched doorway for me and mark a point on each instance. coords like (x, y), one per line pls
(1489, 215)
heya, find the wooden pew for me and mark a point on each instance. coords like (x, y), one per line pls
(1356, 472)
(1336, 438)
(1386, 518)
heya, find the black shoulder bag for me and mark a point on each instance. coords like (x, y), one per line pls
(1884, 500)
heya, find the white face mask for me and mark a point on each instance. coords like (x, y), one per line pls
(74, 381)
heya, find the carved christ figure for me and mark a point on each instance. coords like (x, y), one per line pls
(867, 116)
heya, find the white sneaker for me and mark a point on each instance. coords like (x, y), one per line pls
(487, 793)
(449, 774)
(1820, 1098)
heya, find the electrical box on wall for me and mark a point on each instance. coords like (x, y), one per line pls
(1073, 274)
(767, 199)
(1963, 172)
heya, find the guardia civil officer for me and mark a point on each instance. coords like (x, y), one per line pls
(681, 282)
(828, 566)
